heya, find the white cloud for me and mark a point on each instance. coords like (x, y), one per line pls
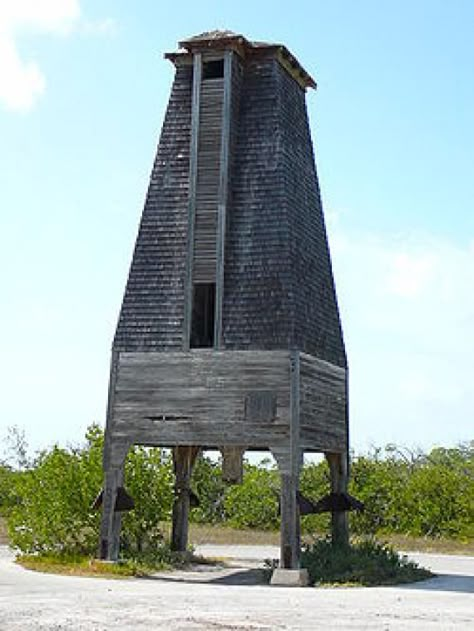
(408, 315)
(106, 26)
(410, 272)
(53, 16)
(22, 81)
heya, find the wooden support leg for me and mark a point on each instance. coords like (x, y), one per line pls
(115, 541)
(339, 520)
(232, 464)
(290, 523)
(183, 461)
(289, 458)
(289, 573)
(110, 526)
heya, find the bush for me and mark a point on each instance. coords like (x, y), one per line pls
(209, 487)
(149, 480)
(254, 503)
(367, 562)
(378, 481)
(314, 484)
(438, 499)
(52, 513)
(416, 494)
(47, 500)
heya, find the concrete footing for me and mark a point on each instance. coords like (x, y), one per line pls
(290, 578)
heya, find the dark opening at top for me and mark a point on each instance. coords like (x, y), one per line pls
(213, 69)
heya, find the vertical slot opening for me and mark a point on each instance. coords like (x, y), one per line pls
(203, 315)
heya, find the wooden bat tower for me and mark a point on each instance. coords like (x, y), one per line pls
(229, 334)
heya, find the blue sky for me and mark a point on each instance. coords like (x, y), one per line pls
(83, 88)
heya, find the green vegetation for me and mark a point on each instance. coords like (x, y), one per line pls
(422, 495)
(83, 565)
(46, 502)
(366, 562)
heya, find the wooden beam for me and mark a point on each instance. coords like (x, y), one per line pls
(110, 525)
(289, 459)
(223, 195)
(339, 520)
(109, 417)
(183, 462)
(193, 157)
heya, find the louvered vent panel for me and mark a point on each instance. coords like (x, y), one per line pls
(207, 186)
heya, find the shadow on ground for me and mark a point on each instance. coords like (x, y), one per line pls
(214, 576)
(444, 583)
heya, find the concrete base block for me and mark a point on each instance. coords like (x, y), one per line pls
(290, 578)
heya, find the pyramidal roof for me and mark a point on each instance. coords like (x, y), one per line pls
(211, 35)
(224, 38)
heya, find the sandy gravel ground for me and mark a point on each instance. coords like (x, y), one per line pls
(213, 598)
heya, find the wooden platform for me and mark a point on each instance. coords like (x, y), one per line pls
(216, 398)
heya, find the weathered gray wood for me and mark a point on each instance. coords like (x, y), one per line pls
(339, 520)
(323, 405)
(115, 536)
(110, 524)
(290, 523)
(201, 397)
(232, 463)
(234, 183)
(223, 193)
(183, 462)
(209, 161)
(295, 391)
(109, 418)
(289, 458)
(188, 284)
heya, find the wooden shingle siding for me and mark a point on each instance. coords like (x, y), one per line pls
(151, 317)
(279, 289)
(317, 328)
(278, 285)
(257, 294)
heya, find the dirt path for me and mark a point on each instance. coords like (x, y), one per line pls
(232, 598)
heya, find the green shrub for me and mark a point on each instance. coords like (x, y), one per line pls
(47, 501)
(367, 562)
(52, 512)
(314, 484)
(415, 494)
(377, 481)
(149, 480)
(209, 487)
(254, 503)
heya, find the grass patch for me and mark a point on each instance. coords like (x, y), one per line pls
(85, 566)
(218, 534)
(366, 562)
(143, 565)
(203, 533)
(430, 544)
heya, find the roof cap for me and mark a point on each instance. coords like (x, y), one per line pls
(223, 39)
